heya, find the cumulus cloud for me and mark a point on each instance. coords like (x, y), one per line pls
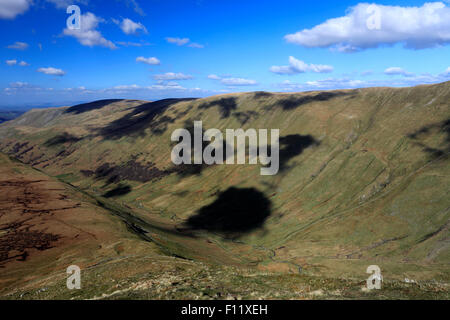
(128, 26)
(18, 45)
(9, 9)
(298, 66)
(149, 60)
(23, 64)
(238, 82)
(51, 71)
(398, 71)
(87, 35)
(370, 26)
(172, 76)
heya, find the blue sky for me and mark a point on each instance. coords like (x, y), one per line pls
(195, 48)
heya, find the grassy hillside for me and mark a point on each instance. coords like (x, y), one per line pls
(364, 177)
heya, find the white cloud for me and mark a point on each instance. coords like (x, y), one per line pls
(446, 73)
(196, 45)
(128, 26)
(19, 84)
(9, 9)
(398, 71)
(178, 41)
(214, 77)
(183, 41)
(172, 76)
(238, 82)
(18, 45)
(51, 71)
(14, 62)
(416, 27)
(127, 87)
(87, 35)
(298, 66)
(63, 4)
(348, 83)
(133, 44)
(149, 60)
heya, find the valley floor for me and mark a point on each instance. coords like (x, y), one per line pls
(46, 225)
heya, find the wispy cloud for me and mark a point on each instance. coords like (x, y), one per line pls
(184, 41)
(172, 76)
(18, 45)
(14, 62)
(298, 66)
(233, 81)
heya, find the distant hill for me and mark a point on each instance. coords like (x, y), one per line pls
(364, 176)
(9, 115)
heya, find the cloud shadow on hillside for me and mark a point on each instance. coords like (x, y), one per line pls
(85, 107)
(235, 211)
(120, 190)
(443, 126)
(292, 146)
(226, 106)
(294, 101)
(142, 117)
(61, 139)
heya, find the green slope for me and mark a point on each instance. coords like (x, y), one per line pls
(364, 175)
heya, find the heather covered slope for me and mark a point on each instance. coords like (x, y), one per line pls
(364, 175)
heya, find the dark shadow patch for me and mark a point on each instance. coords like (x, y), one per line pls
(226, 105)
(86, 107)
(234, 212)
(294, 102)
(132, 170)
(292, 146)
(141, 118)
(185, 170)
(120, 190)
(436, 128)
(61, 139)
(244, 117)
(262, 94)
